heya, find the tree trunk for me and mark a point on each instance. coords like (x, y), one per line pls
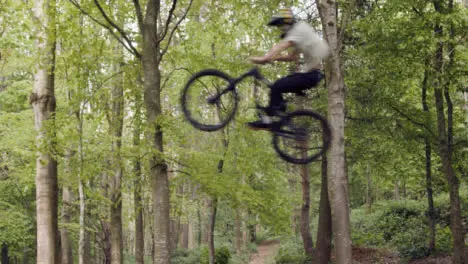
(175, 233)
(202, 226)
(137, 194)
(294, 208)
(116, 127)
(337, 176)
(83, 240)
(82, 259)
(305, 211)
(428, 154)
(43, 102)
(369, 199)
(445, 153)
(192, 237)
(67, 206)
(252, 232)
(211, 247)
(396, 190)
(445, 135)
(238, 232)
(324, 232)
(183, 239)
(67, 246)
(158, 168)
(5, 259)
(26, 255)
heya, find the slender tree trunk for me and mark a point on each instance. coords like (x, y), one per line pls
(183, 239)
(183, 224)
(337, 176)
(238, 232)
(5, 259)
(202, 229)
(252, 232)
(158, 168)
(369, 199)
(192, 237)
(83, 234)
(212, 221)
(26, 255)
(175, 233)
(83, 240)
(445, 138)
(324, 232)
(137, 194)
(396, 190)
(191, 234)
(116, 126)
(428, 154)
(305, 211)
(67, 246)
(43, 102)
(294, 208)
(66, 243)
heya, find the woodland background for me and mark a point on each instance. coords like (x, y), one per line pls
(111, 147)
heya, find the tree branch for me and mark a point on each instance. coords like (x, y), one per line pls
(164, 50)
(168, 21)
(413, 121)
(106, 27)
(180, 171)
(122, 33)
(344, 22)
(139, 15)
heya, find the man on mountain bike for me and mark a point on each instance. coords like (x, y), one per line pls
(302, 39)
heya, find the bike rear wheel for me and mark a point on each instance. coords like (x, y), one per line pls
(206, 101)
(303, 136)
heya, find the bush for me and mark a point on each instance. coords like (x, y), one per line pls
(401, 226)
(184, 256)
(444, 239)
(252, 247)
(222, 255)
(291, 252)
(364, 229)
(411, 241)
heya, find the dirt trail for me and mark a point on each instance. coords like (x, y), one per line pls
(266, 252)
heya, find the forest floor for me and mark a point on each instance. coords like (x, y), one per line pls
(267, 251)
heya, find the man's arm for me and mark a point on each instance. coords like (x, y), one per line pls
(291, 56)
(271, 54)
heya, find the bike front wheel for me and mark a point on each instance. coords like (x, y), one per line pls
(209, 101)
(302, 137)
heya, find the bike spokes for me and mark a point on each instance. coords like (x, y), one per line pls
(207, 101)
(302, 137)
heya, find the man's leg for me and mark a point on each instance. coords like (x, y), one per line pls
(292, 84)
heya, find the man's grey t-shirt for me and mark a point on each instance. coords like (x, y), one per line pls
(309, 43)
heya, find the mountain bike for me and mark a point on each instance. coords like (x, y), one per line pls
(210, 100)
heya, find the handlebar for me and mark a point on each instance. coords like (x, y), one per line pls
(254, 72)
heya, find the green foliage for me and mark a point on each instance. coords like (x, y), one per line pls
(252, 247)
(402, 226)
(291, 252)
(184, 256)
(444, 239)
(222, 255)
(388, 48)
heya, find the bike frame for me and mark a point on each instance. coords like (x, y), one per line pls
(255, 73)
